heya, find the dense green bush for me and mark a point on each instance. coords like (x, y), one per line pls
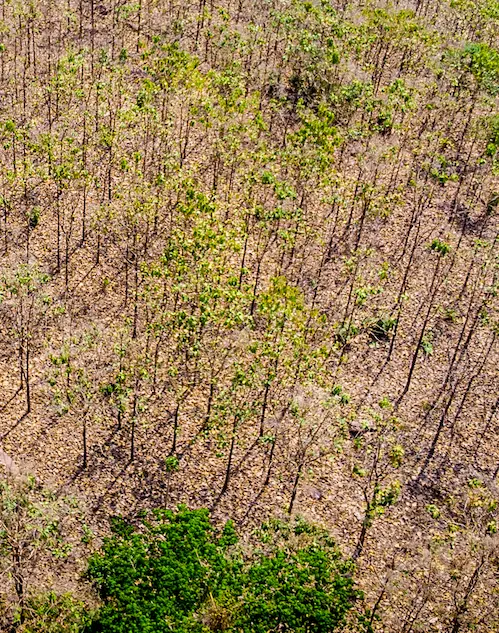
(299, 582)
(172, 572)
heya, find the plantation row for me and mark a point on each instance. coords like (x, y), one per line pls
(249, 262)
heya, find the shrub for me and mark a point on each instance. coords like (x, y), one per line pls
(380, 330)
(172, 572)
(155, 578)
(52, 613)
(440, 247)
(301, 583)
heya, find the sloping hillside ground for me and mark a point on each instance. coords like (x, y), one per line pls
(249, 261)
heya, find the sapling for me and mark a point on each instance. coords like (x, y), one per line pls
(377, 456)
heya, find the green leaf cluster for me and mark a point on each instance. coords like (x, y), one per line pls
(173, 572)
